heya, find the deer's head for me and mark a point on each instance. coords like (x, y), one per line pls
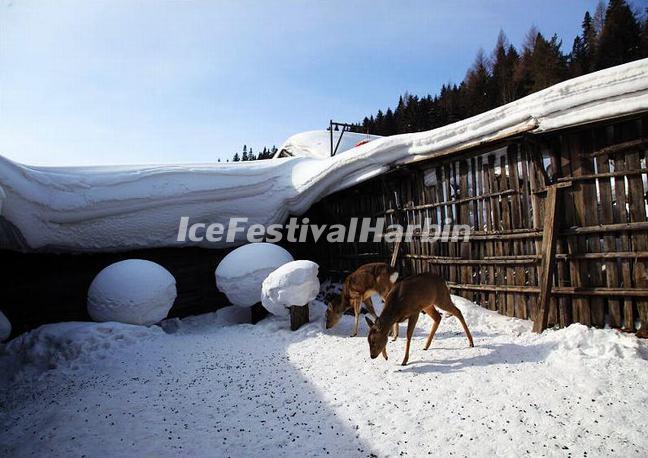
(334, 312)
(377, 339)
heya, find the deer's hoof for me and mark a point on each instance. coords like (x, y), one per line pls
(404, 363)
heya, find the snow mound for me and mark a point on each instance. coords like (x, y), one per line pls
(5, 327)
(241, 273)
(134, 291)
(62, 344)
(294, 283)
(476, 315)
(317, 143)
(579, 340)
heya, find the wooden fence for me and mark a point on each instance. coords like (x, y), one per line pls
(567, 206)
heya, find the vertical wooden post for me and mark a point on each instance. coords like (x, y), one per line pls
(394, 257)
(298, 316)
(257, 313)
(548, 258)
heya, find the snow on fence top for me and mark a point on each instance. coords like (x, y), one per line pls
(127, 207)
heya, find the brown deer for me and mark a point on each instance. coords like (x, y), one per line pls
(375, 278)
(406, 300)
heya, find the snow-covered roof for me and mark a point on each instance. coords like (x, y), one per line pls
(317, 143)
(119, 208)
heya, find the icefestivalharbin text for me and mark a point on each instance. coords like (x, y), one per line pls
(358, 229)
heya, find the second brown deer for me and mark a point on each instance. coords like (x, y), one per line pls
(406, 300)
(359, 286)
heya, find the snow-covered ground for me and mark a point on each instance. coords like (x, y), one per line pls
(204, 387)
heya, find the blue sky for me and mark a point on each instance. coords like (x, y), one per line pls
(128, 82)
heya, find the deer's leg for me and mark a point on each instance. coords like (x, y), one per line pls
(411, 325)
(436, 316)
(370, 308)
(453, 310)
(395, 329)
(356, 310)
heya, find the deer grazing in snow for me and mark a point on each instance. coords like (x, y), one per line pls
(406, 300)
(375, 278)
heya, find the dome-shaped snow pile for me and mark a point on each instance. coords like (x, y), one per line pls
(5, 327)
(241, 273)
(134, 291)
(294, 283)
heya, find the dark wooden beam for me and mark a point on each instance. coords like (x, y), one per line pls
(548, 259)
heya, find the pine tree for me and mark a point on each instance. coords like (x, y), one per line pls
(478, 90)
(522, 75)
(547, 63)
(390, 127)
(599, 17)
(505, 58)
(644, 35)
(620, 39)
(236, 157)
(583, 53)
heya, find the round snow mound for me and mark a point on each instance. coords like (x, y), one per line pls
(134, 291)
(241, 273)
(294, 283)
(5, 327)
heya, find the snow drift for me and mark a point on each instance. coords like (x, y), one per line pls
(5, 327)
(241, 273)
(317, 143)
(120, 208)
(134, 291)
(294, 283)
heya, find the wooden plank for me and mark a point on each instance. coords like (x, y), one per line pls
(621, 147)
(590, 218)
(548, 262)
(557, 290)
(509, 278)
(621, 217)
(637, 206)
(572, 147)
(519, 301)
(609, 241)
(500, 299)
(490, 247)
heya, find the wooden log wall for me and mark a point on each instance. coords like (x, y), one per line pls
(600, 276)
(39, 288)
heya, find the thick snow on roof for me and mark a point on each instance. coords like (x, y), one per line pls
(317, 143)
(119, 208)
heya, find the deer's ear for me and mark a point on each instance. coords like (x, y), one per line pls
(369, 322)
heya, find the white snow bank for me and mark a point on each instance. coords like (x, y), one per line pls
(580, 340)
(133, 291)
(241, 273)
(120, 208)
(5, 327)
(69, 344)
(317, 143)
(294, 283)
